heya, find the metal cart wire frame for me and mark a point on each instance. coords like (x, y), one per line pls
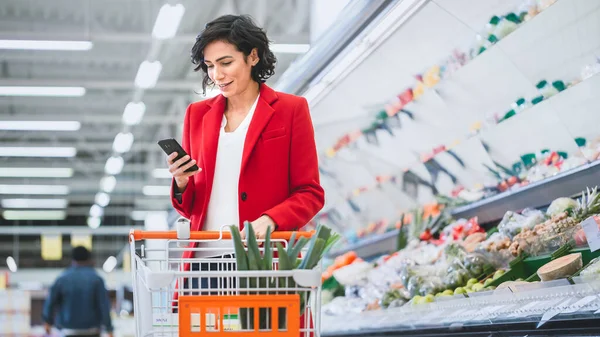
(217, 300)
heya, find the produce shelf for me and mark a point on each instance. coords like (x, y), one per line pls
(538, 309)
(535, 195)
(565, 327)
(371, 246)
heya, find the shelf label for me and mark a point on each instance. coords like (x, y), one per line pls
(524, 310)
(555, 310)
(591, 228)
(580, 304)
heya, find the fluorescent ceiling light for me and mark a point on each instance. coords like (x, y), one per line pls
(162, 173)
(167, 21)
(96, 211)
(11, 264)
(34, 172)
(34, 215)
(102, 199)
(123, 142)
(34, 189)
(38, 152)
(93, 223)
(134, 112)
(114, 165)
(110, 264)
(156, 190)
(46, 45)
(283, 48)
(34, 203)
(108, 184)
(147, 74)
(40, 125)
(42, 91)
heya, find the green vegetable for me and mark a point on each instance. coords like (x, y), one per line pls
(251, 259)
(240, 251)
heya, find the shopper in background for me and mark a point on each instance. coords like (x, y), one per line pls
(255, 147)
(77, 303)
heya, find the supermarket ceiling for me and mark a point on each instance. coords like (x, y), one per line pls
(70, 167)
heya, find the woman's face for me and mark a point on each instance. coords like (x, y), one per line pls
(227, 67)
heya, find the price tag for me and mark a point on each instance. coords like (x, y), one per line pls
(548, 315)
(591, 227)
(581, 303)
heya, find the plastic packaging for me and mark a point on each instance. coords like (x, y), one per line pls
(513, 223)
(593, 269)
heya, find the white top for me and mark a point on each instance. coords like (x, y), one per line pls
(223, 205)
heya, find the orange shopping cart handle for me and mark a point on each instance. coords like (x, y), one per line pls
(206, 235)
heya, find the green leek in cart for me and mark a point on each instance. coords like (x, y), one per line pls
(252, 259)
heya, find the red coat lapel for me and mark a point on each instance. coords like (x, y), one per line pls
(262, 116)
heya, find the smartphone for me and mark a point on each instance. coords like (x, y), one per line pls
(170, 145)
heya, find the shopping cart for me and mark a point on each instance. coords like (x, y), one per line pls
(214, 299)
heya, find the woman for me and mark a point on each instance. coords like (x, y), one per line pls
(255, 147)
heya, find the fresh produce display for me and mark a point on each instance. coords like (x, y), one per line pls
(514, 223)
(560, 268)
(339, 262)
(460, 258)
(559, 229)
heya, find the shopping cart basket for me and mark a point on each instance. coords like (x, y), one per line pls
(214, 299)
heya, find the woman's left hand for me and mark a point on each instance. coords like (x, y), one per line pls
(260, 226)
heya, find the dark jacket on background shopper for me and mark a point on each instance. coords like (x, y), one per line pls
(78, 303)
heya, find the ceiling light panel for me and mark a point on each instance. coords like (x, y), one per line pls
(168, 20)
(133, 113)
(40, 125)
(36, 172)
(42, 91)
(34, 203)
(66, 152)
(34, 189)
(114, 165)
(123, 142)
(46, 45)
(34, 215)
(108, 184)
(102, 199)
(93, 222)
(148, 74)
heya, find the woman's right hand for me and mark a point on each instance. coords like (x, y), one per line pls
(178, 171)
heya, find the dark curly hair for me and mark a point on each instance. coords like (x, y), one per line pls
(245, 35)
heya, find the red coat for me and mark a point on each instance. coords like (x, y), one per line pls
(279, 176)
